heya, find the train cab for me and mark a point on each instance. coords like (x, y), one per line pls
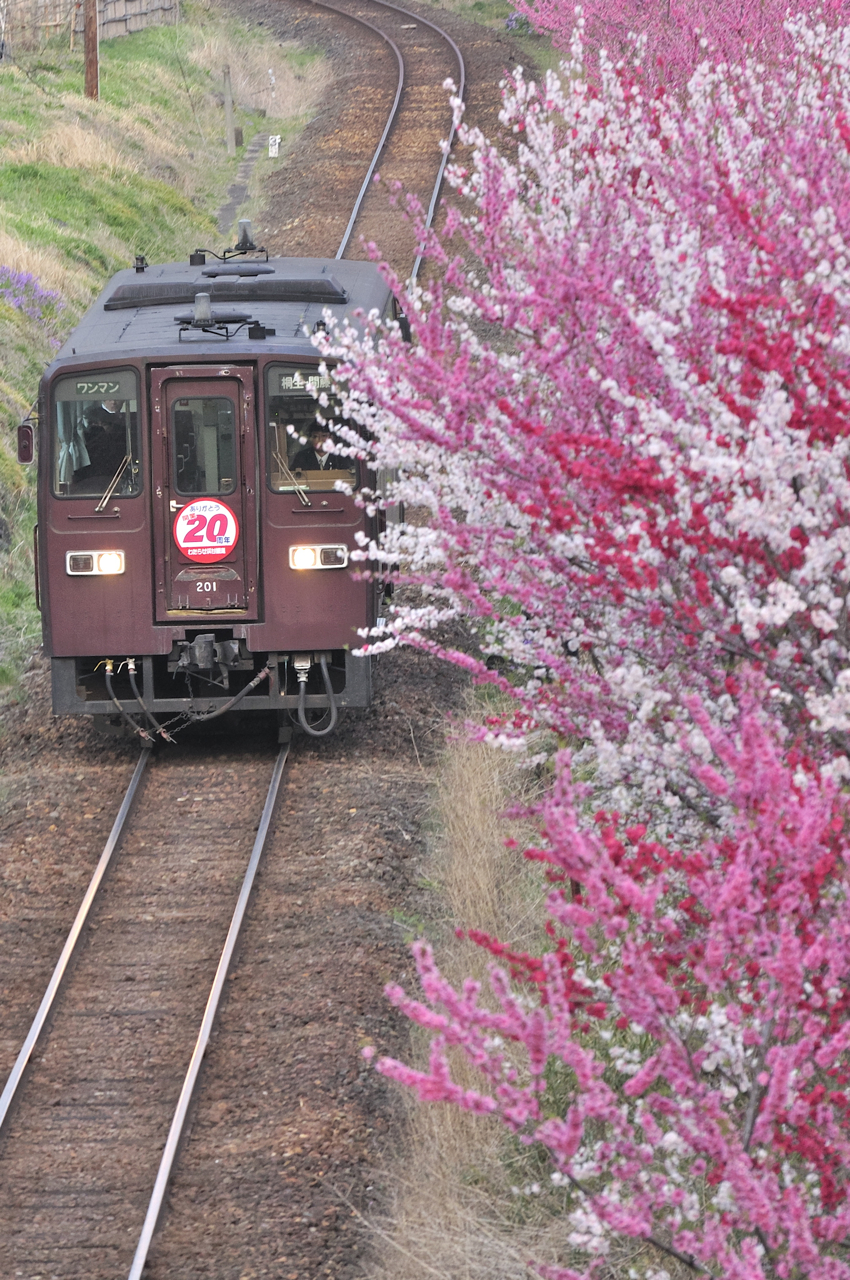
(197, 510)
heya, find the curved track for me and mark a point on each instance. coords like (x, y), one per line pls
(394, 115)
(414, 28)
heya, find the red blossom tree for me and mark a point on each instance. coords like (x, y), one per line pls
(626, 408)
(677, 34)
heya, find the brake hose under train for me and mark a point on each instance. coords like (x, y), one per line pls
(302, 699)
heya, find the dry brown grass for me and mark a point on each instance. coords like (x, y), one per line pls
(451, 1207)
(452, 1213)
(154, 143)
(51, 270)
(293, 92)
(72, 145)
(485, 883)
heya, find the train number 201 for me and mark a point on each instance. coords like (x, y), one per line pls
(205, 586)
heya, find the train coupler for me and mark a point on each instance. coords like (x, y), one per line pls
(205, 653)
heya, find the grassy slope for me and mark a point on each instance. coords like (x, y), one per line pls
(85, 186)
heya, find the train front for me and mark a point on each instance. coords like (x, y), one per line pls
(195, 521)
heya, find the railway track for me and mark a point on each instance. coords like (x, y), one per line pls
(426, 56)
(126, 1019)
(395, 94)
(88, 1123)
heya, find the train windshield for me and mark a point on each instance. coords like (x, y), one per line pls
(96, 435)
(306, 459)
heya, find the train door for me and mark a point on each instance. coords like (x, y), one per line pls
(204, 465)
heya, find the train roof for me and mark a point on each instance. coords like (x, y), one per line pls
(148, 314)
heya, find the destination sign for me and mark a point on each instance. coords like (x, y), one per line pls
(119, 385)
(88, 390)
(298, 382)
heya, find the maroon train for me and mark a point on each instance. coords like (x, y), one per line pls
(189, 560)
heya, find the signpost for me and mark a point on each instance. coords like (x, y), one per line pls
(228, 113)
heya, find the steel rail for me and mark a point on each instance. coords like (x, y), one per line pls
(17, 1072)
(390, 118)
(182, 1109)
(432, 207)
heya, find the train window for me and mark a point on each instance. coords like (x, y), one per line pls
(96, 435)
(300, 461)
(203, 432)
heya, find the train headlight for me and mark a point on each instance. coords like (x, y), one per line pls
(88, 564)
(303, 558)
(110, 562)
(334, 556)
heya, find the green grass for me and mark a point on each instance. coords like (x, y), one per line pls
(146, 215)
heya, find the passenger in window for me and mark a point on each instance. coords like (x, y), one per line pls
(313, 456)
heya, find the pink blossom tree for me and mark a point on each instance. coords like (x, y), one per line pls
(691, 1021)
(676, 34)
(626, 409)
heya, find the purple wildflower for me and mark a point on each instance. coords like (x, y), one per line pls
(21, 290)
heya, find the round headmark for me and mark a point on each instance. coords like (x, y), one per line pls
(206, 530)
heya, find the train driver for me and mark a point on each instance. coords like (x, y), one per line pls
(106, 438)
(313, 456)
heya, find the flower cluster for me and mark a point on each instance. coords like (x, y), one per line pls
(626, 409)
(519, 23)
(629, 421)
(22, 291)
(675, 34)
(727, 1142)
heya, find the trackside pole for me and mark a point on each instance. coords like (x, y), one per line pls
(91, 40)
(228, 113)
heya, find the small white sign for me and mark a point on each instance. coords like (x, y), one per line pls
(274, 146)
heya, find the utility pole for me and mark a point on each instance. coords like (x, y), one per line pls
(228, 113)
(90, 41)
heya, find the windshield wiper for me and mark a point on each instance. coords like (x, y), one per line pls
(113, 483)
(299, 488)
(280, 459)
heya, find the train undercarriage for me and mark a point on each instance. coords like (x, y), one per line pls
(207, 674)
